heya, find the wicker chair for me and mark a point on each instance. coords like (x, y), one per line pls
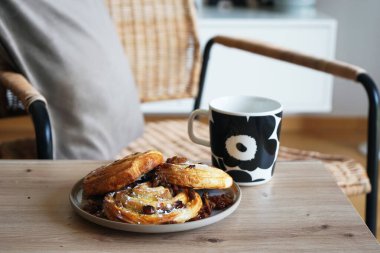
(161, 41)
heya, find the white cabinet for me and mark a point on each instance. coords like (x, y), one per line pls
(232, 71)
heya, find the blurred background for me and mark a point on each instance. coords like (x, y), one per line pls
(345, 30)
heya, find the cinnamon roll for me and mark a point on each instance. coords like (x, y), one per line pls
(145, 204)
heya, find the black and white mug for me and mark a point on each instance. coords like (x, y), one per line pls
(244, 136)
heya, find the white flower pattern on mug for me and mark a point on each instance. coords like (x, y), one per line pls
(241, 147)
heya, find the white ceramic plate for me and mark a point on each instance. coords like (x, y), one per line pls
(76, 200)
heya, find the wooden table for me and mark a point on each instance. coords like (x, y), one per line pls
(300, 210)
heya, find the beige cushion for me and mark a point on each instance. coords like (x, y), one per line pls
(70, 52)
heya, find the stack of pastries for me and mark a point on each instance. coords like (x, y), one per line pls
(143, 188)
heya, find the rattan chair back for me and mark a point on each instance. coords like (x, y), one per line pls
(161, 42)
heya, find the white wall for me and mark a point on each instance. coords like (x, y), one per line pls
(358, 42)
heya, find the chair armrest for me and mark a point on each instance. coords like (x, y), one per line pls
(35, 104)
(21, 88)
(336, 68)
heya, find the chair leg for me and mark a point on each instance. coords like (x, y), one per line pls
(372, 149)
(42, 128)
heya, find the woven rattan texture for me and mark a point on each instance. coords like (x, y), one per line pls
(170, 137)
(161, 41)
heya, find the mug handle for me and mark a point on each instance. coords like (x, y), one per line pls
(190, 127)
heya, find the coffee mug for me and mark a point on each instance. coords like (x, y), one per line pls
(244, 136)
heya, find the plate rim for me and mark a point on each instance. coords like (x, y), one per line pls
(152, 228)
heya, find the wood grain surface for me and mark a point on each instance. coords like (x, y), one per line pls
(300, 210)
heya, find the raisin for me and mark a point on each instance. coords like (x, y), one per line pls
(178, 204)
(148, 209)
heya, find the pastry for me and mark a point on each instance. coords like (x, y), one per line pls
(196, 176)
(120, 173)
(145, 204)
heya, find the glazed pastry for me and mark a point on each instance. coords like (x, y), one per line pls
(151, 205)
(197, 176)
(116, 175)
